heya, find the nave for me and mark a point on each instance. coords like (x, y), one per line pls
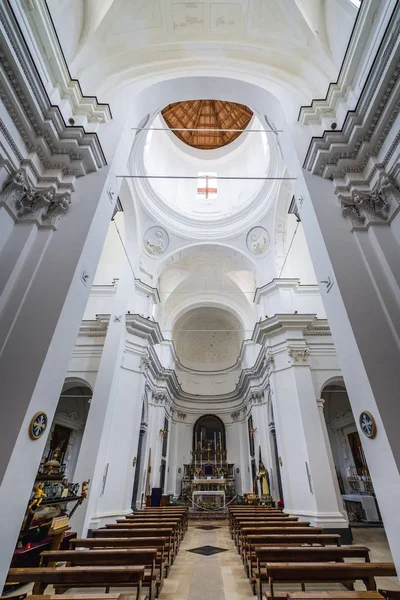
(264, 552)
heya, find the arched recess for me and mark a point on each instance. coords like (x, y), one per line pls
(204, 429)
(350, 463)
(64, 442)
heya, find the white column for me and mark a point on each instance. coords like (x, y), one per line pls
(307, 481)
(40, 338)
(365, 332)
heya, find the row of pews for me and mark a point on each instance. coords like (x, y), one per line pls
(135, 552)
(278, 548)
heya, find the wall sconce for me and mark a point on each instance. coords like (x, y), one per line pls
(164, 432)
(134, 461)
(280, 461)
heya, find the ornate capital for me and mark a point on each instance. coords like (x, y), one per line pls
(320, 404)
(256, 397)
(181, 416)
(235, 415)
(28, 204)
(160, 398)
(299, 355)
(377, 205)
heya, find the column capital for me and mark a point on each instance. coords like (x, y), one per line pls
(29, 204)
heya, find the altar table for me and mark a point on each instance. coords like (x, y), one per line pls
(197, 495)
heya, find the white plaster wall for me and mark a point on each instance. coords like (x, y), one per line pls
(298, 261)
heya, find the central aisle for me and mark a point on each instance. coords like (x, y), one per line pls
(218, 576)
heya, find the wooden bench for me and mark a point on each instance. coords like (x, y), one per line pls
(167, 532)
(149, 557)
(161, 543)
(174, 523)
(113, 596)
(292, 522)
(334, 595)
(267, 554)
(239, 522)
(325, 572)
(128, 525)
(245, 531)
(106, 577)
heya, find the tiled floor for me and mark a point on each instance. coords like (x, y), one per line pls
(222, 577)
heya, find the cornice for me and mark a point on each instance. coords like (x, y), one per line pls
(69, 149)
(147, 290)
(279, 323)
(285, 283)
(42, 28)
(96, 328)
(144, 328)
(365, 128)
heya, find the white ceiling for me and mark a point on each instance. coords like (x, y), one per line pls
(133, 38)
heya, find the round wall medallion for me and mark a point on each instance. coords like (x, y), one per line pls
(38, 425)
(258, 240)
(367, 424)
(156, 241)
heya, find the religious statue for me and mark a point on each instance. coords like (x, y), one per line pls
(84, 491)
(38, 497)
(263, 479)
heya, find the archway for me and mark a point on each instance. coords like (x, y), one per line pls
(355, 484)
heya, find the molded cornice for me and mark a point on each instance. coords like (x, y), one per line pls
(144, 328)
(59, 147)
(340, 154)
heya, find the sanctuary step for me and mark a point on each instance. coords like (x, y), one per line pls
(208, 515)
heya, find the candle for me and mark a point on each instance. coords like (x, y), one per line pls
(215, 448)
(201, 448)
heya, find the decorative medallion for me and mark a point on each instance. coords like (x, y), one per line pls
(156, 241)
(367, 424)
(258, 240)
(38, 425)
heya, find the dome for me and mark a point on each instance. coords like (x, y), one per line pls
(207, 114)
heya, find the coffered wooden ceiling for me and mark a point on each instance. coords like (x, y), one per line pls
(207, 114)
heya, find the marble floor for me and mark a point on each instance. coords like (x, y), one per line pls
(222, 577)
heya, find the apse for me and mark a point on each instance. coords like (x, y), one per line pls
(208, 339)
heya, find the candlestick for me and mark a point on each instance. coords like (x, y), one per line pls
(215, 449)
(201, 449)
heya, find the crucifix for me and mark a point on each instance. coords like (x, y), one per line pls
(206, 190)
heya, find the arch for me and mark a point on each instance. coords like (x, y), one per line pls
(336, 380)
(210, 417)
(71, 382)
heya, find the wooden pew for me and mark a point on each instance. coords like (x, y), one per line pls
(267, 554)
(74, 576)
(238, 524)
(326, 572)
(161, 543)
(154, 567)
(156, 522)
(78, 596)
(177, 532)
(333, 595)
(244, 531)
(251, 542)
(144, 516)
(167, 532)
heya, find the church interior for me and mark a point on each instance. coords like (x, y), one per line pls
(200, 299)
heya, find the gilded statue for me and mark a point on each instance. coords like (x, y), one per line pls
(38, 497)
(263, 479)
(84, 491)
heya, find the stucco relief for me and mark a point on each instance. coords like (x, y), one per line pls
(258, 241)
(156, 241)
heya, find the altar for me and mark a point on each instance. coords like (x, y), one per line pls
(210, 495)
(209, 478)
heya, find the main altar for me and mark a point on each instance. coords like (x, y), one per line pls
(208, 480)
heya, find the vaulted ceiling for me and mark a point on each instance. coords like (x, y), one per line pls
(111, 42)
(208, 115)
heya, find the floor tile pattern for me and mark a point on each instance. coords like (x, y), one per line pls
(207, 550)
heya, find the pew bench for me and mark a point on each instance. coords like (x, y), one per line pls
(154, 569)
(263, 555)
(333, 595)
(325, 572)
(71, 577)
(252, 541)
(246, 531)
(139, 532)
(161, 543)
